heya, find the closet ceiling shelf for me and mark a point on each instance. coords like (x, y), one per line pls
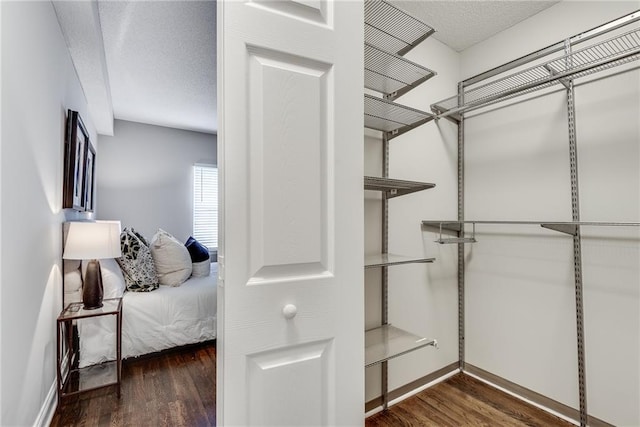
(386, 342)
(391, 28)
(390, 74)
(391, 118)
(394, 187)
(384, 260)
(601, 56)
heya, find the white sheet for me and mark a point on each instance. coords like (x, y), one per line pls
(154, 321)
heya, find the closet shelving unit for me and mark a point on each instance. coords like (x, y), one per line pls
(619, 43)
(389, 34)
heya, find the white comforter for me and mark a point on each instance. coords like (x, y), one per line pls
(154, 321)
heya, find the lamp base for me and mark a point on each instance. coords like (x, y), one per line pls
(92, 288)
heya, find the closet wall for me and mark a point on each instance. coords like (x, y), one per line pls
(520, 300)
(520, 321)
(422, 297)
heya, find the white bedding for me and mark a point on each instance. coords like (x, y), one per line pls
(154, 321)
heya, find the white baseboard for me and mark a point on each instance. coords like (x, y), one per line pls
(414, 392)
(50, 403)
(48, 407)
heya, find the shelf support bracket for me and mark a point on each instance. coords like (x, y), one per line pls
(453, 118)
(571, 229)
(394, 133)
(398, 93)
(552, 72)
(404, 50)
(450, 228)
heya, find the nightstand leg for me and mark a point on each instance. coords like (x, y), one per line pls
(119, 350)
(59, 360)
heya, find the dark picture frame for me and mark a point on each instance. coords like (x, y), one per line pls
(89, 178)
(78, 192)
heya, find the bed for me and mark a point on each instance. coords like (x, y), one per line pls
(151, 321)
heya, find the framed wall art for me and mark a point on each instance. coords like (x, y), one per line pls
(76, 147)
(89, 180)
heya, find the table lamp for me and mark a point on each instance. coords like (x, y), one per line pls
(93, 241)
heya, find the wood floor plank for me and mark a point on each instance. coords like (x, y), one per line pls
(430, 413)
(515, 408)
(464, 401)
(186, 392)
(173, 388)
(177, 388)
(420, 418)
(462, 412)
(489, 415)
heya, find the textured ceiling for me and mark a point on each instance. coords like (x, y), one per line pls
(155, 61)
(161, 59)
(462, 23)
(80, 23)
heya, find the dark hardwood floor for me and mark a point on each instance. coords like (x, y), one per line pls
(463, 401)
(174, 388)
(178, 388)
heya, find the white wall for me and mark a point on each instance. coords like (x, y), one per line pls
(145, 176)
(520, 294)
(422, 297)
(38, 85)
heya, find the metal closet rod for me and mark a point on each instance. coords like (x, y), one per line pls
(589, 223)
(565, 227)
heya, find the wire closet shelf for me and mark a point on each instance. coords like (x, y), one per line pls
(390, 74)
(391, 29)
(387, 116)
(394, 187)
(606, 54)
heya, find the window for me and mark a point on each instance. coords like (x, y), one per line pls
(205, 205)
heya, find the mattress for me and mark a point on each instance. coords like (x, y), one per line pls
(154, 321)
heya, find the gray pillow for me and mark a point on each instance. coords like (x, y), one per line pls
(137, 263)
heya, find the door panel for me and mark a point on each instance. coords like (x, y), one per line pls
(288, 153)
(278, 375)
(315, 11)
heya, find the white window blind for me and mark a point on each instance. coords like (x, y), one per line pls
(205, 205)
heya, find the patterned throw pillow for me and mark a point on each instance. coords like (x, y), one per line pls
(137, 263)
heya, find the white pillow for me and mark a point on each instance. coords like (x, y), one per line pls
(72, 281)
(113, 284)
(112, 278)
(172, 259)
(201, 269)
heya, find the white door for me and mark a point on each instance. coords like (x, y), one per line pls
(291, 165)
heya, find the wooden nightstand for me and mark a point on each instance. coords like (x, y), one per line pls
(73, 380)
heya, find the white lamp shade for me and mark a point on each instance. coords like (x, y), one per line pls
(93, 240)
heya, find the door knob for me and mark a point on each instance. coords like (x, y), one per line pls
(289, 311)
